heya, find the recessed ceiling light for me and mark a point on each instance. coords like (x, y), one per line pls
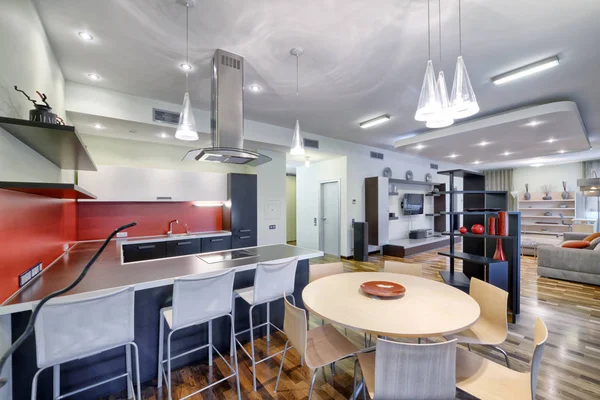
(537, 165)
(375, 121)
(98, 126)
(85, 36)
(483, 143)
(534, 123)
(526, 70)
(453, 155)
(255, 88)
(506, 153)
(476, 162)
(551, 140)
(94, 77)
(562, 151)
(163, 135)
(186, 67)
(420, 146)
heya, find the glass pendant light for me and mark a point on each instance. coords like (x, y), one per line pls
(186, 130)
(443, 117)
(429, 101)
(463, 102)
(297, 141)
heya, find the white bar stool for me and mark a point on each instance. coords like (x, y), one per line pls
(67, 330)
(197, 300)
(271, 282)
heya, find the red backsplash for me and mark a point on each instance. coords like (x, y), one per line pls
(32, 229)
(96, 219)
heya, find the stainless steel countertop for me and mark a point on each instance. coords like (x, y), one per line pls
(108, 272)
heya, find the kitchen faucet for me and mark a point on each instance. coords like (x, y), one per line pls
(170, 233)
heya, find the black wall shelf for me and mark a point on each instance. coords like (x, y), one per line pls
(59, 144)
(475, 235)
(411, 182)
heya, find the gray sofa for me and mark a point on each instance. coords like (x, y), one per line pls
(577, 265)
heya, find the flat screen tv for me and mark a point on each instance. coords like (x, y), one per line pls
(413, 203)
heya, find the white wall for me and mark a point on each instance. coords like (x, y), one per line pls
(290, 189)
(271, 199)
(28, 62)
(308, 197)
(548, 175)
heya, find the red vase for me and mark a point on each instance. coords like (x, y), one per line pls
(491, 226)
(499, 254)
(503, 223)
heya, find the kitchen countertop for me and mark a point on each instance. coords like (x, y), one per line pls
(108, 272)
(177, 236)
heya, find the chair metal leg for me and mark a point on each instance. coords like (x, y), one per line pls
(161, 339)
(312, 385)
(129, 372)
(34, 384)
(210, 342)
(233, 347)
(252, 347)
(268, 322)
(234, 352)
(505, 355)
(56, 381)
(169, 365)
(281, 365)
(137, 372)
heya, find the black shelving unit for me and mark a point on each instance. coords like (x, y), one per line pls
(478, 249)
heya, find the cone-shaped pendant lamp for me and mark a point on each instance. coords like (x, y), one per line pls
(463, 102)
(186, 130)
(297, 141)
(443, 117)
(429, 100)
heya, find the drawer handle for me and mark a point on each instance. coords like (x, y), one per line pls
(216, 240)
(244, 230)
(245, 237)
(146, 247)
(183, 243)
(164, 198)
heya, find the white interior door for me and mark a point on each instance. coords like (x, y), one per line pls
(330, 218)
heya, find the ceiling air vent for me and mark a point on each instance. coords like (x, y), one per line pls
(433, 166)
(167, 117)
(313, 144)
(376, 155)
(230, 61)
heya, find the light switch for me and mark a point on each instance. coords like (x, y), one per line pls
(272, 227)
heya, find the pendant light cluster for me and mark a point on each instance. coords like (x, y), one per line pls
(435, 107)
(297, 141)
(186, 130)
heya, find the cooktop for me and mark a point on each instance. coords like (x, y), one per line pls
(227, 255)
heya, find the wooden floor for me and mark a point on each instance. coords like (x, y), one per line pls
(570, 366)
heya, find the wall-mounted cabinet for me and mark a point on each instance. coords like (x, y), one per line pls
(144, 184)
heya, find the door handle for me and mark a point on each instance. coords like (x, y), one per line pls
(245, 237)
(244, 230)
(216, 240)
(183, 243)
(146, 247)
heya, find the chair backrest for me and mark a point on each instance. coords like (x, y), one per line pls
(272, 280)
(493, 303)
(415, 371)
(295, 327)
(398, 267)
(70, 329)
(318, 271)
(200, 298)
(540, 335)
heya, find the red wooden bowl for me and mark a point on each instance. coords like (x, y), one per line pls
(477, 229)
(383, 289)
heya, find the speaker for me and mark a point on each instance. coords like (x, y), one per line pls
(361, 241)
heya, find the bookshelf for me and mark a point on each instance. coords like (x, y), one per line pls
(534, 220)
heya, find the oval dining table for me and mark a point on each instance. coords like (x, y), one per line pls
(427, 308)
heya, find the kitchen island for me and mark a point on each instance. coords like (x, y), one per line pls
(153, 282)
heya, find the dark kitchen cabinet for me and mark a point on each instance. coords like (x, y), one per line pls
(144, 251)
(216, 244)
(183, 247)
(241, 218)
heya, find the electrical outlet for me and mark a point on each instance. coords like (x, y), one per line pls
(65, 247)
(36, 270)
(29, 274)
(272, 227)
(122, 234)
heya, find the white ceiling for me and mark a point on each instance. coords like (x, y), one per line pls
(362, 59)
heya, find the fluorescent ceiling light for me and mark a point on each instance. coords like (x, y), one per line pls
(375, 121)
(255, 88)
(406, 136)
(526, 70)
(537, 165)
(208, 204)
(185, 67)
(94, 77)
(453, 155)
(85, 36)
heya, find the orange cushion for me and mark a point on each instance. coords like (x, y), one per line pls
(592, 237)
(576, 244)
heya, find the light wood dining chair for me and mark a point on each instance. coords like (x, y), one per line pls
(491, 329)
(408, 371)
(318, 271)
(318, 347)
(486, 379)
(398, 267)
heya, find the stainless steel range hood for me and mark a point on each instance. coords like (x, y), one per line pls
(227, 114)
(589, 186)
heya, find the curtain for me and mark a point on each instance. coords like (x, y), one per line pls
(501, 179)
(591, 204)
